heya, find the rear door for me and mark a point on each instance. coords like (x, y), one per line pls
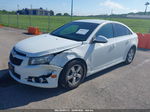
(122, 36)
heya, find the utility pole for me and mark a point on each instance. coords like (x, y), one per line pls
(49, 22)
(18, 16)
(112, 12)
(71, 9)
(30, 14)
(8, 19)
(0, 18)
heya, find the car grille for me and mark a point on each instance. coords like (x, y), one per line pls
(15, 60)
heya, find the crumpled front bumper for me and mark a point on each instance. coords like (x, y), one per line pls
(37, 75)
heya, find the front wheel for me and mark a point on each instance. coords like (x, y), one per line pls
(130, 55)
(73, 74)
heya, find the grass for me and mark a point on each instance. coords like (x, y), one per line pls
(48, 24)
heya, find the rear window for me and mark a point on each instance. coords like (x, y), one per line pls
(120, 30)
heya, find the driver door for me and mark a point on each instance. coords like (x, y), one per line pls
(103, 53)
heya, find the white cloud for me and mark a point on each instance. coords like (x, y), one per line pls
(116, 7)
(112, 5)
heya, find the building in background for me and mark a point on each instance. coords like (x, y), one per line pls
(139, 16)
(39, 11)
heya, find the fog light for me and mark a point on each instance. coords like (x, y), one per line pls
(37, 80)
(40, 79)
(29, 79)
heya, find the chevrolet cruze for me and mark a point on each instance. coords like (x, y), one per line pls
(72, 52)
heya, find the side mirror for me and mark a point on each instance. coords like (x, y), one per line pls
(100, 39)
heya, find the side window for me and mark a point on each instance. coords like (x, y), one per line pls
(106, 30)
(120, 30)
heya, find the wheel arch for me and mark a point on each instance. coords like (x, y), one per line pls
(65, 66)
(79, 59)
(126, 53)
(133, 46)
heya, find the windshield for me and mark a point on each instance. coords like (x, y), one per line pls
(78, 31)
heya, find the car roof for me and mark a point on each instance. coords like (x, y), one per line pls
(98, 21)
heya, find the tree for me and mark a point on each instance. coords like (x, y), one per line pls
(59, 14)
(51, 13)
(7, 12)
(4, 12)
(66, 14)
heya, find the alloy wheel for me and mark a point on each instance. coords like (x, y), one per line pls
(74, 74)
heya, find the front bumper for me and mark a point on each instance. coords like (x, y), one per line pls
(23, 73)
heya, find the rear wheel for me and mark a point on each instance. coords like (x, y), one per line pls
(130, 55)
(73, 74)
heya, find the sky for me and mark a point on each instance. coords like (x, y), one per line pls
(81, 7)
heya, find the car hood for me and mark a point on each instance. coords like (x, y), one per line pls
(45, 44)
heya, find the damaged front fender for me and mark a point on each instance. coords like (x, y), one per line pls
(62, 58)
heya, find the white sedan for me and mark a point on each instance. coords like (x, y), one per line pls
(72, 52)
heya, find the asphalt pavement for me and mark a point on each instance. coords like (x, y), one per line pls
(119, 87)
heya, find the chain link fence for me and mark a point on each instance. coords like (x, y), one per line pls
(50, 23)
(45, 23)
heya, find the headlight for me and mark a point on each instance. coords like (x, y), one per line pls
(41, 60)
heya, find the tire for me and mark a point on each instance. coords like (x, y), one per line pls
(72, 75)
(130, 55)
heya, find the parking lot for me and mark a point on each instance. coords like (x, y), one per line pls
(119, 87)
